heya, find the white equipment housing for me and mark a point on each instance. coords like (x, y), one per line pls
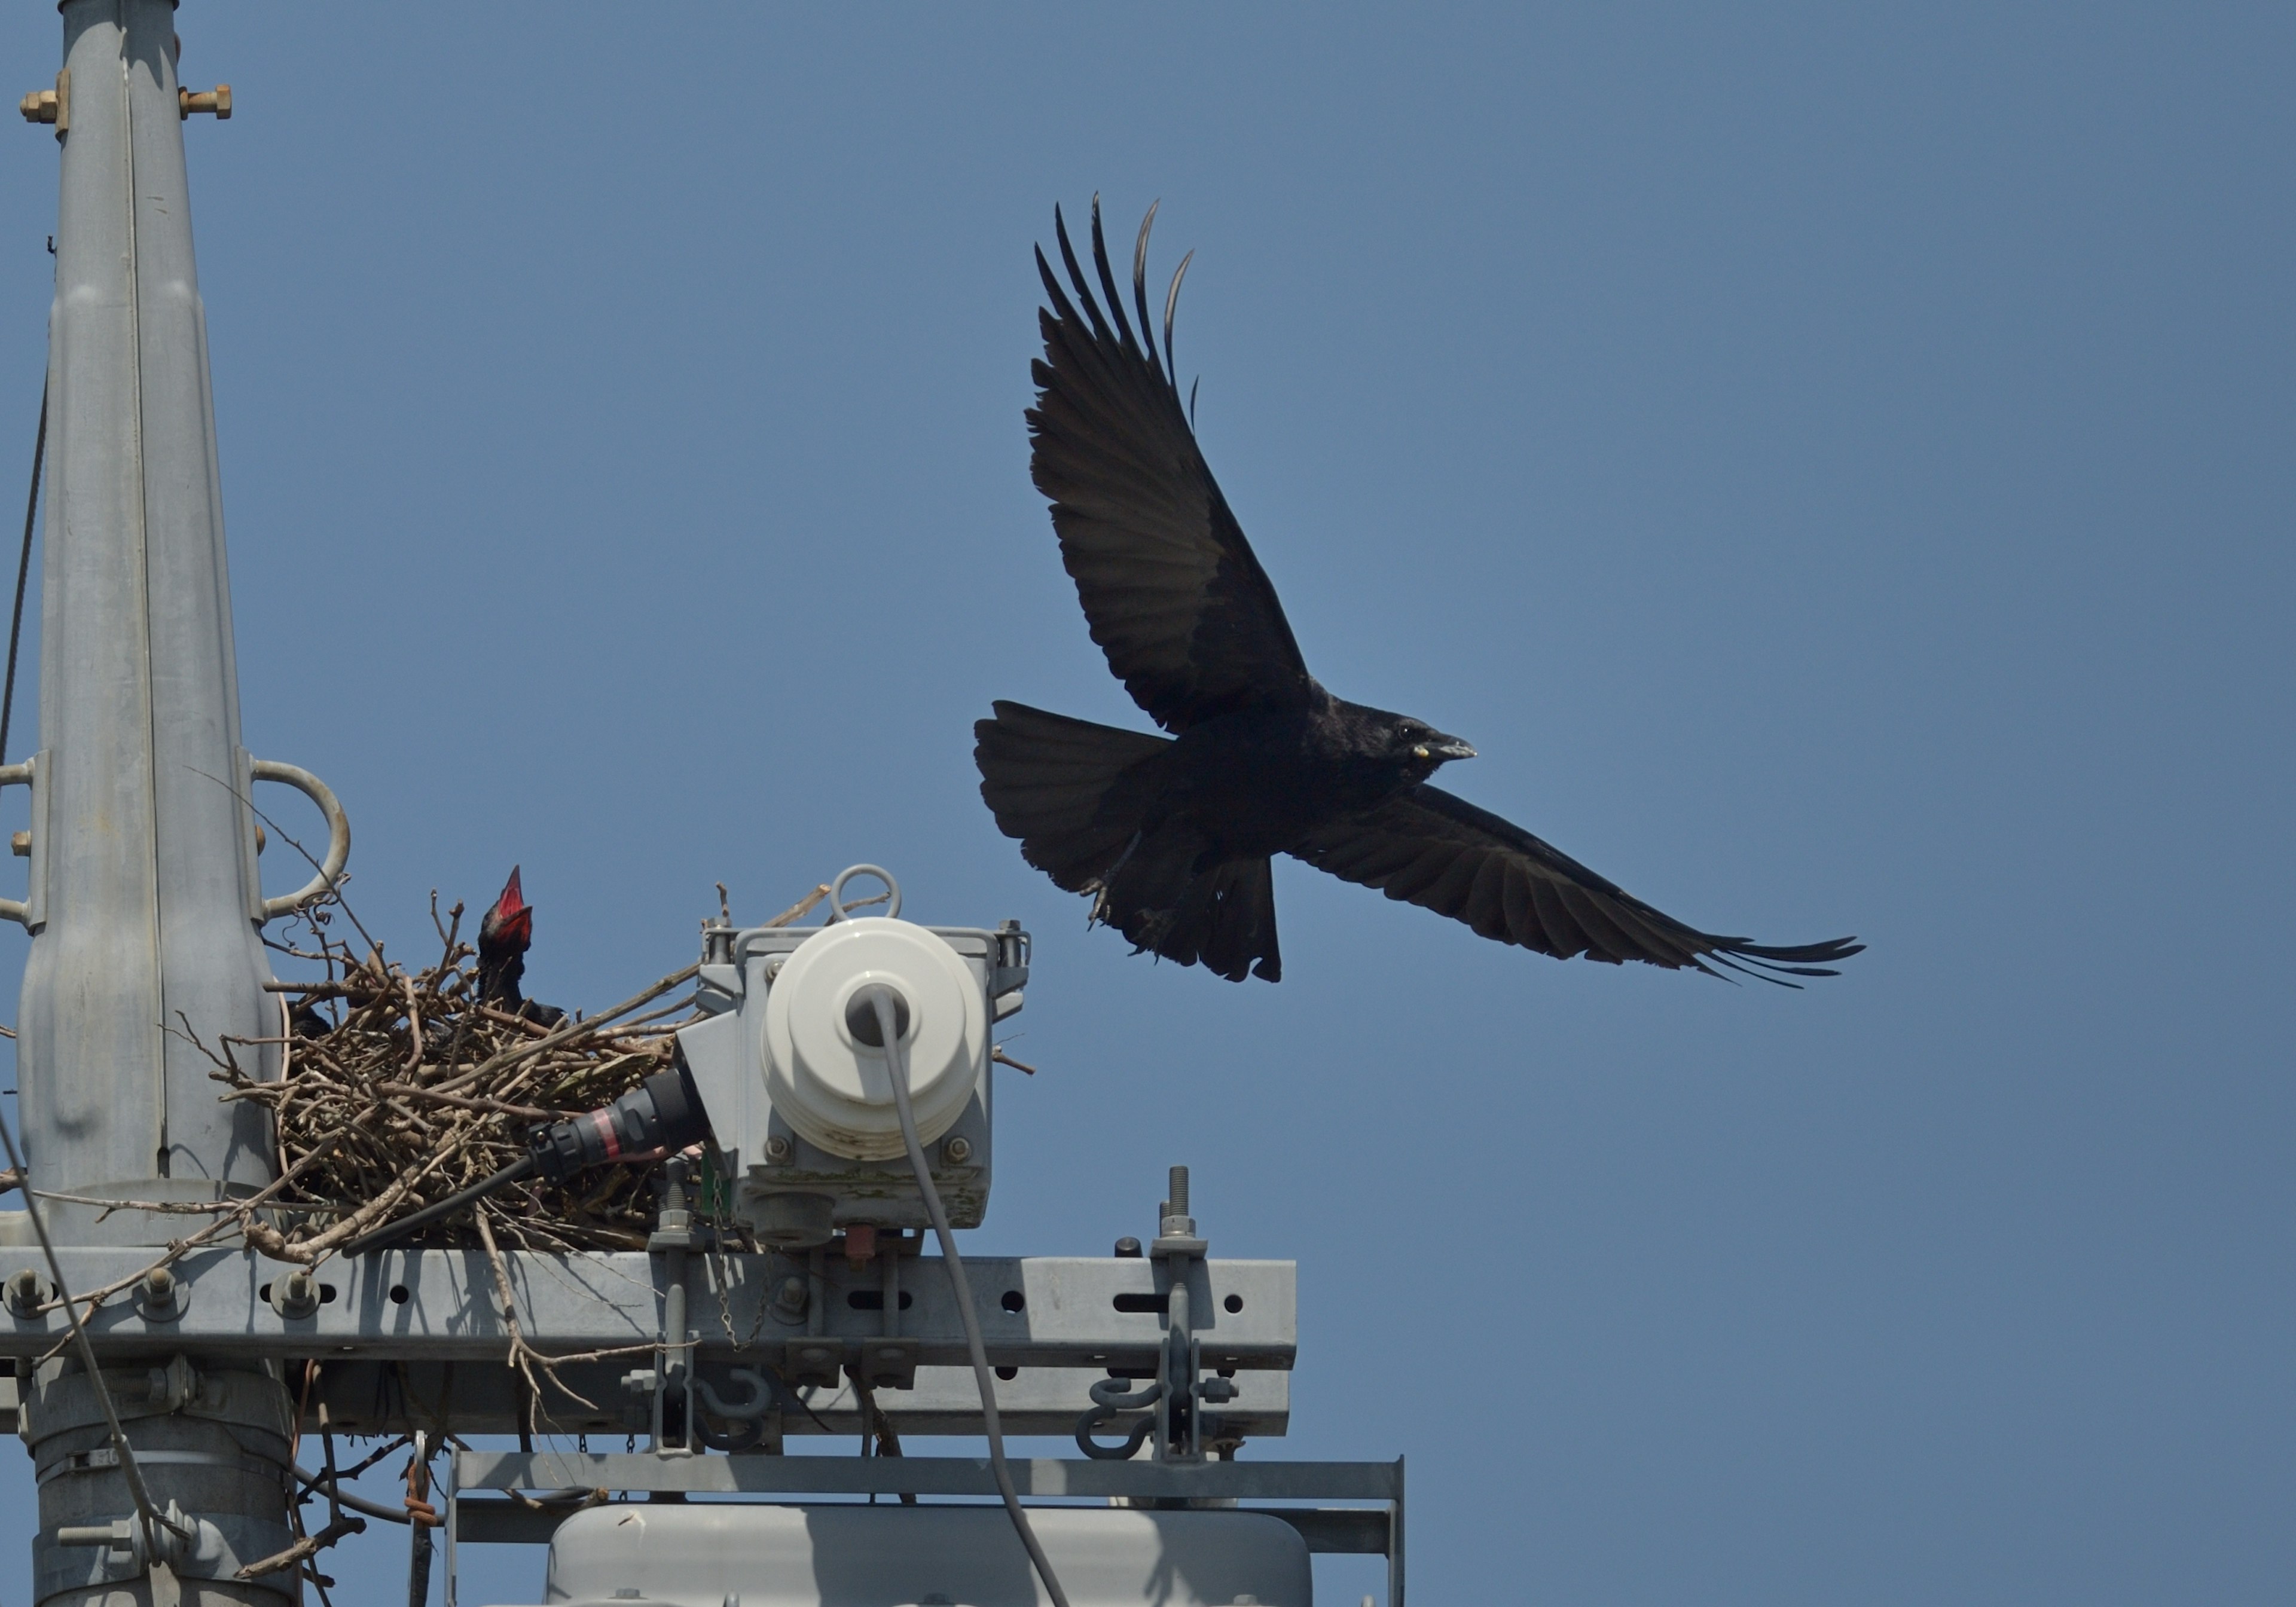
(798, 1094)
(802, 1556)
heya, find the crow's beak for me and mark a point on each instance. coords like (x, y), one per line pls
(1444, 748)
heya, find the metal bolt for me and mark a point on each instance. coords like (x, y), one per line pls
(25, 1293)
(296, 1295)
(1174, 1223)
(777, 1147)
(159, 1287)
(958, 1150)
(20, 845)
(216, 101)
(790, 1300)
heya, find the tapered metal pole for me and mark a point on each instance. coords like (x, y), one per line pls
(142, 896)
(143, 903)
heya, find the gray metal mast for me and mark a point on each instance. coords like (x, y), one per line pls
(144, 849)
(143, 903)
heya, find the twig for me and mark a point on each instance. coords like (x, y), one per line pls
(310, 1545)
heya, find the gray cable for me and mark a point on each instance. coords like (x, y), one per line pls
(23, 573)
(897, 1062)
(154, 1519)
(151, 1518)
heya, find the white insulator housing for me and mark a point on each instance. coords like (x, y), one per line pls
(836, 1090)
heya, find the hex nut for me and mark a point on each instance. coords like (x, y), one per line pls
(159, 1297)
(777, 1147)
(958, 1150)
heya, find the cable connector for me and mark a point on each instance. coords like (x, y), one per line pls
(662, 1113)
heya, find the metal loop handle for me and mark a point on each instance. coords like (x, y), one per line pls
(837, 909)
(339, 833)
(15, 775)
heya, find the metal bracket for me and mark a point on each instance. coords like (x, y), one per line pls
(21, 775)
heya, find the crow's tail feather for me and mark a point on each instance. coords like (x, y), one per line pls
(1221, 916)
(1060, 786)
(1053, 783)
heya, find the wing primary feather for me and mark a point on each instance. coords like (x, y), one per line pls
(1172, 305)
(1833, 948)
(1418, 847)
(1107, 283)
(1062, 308)
(1140, 292)
(1075, 277)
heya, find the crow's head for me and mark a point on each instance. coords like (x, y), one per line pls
(504, 938)
(1418, 748)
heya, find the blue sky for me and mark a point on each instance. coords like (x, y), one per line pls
(1835, 463)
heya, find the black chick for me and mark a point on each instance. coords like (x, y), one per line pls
(1172, 837)
(505, 935)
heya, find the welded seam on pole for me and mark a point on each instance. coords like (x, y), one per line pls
(143, 566)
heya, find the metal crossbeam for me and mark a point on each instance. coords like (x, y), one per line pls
(1043, 1477)
(442, 1304)
(360, 1396)
(1342, 1530)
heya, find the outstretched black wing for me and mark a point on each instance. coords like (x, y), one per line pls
(1170, 586)
(1442, 853)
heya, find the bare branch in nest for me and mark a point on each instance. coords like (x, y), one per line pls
(310, 1545)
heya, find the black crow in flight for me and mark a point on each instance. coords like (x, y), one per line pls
(1172, 836)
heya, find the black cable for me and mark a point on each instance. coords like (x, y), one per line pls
(357, 1502)
(390, 1232)
(888, 1029)
(23, 573)
(661, 1114)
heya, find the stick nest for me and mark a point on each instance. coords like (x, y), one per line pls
(401, 1087)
